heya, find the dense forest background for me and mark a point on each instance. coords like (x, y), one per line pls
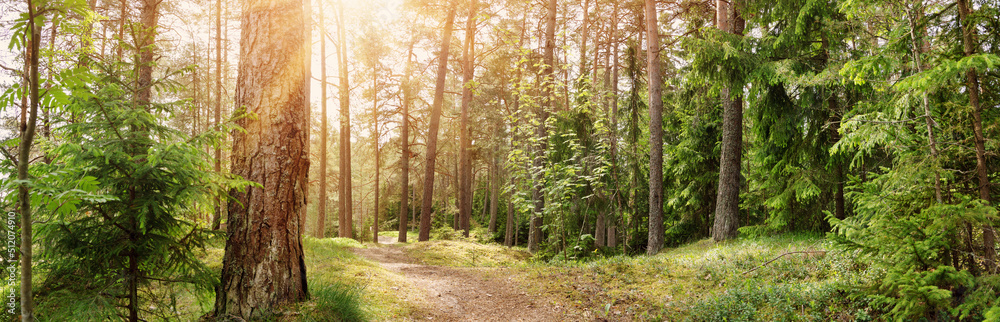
(532, 124)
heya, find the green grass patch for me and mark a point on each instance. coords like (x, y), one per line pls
(461, 253)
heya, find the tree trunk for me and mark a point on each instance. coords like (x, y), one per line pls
(655, 131)
(535, 231)
(611, 238)
(727, 206)
(917, 49)
(458, 199)
(345, 204)
(432, 134)
(508, 237)
(378, 164)
(263, 266)
(324, 129)
(972, 87)
(465, 157)
(28, 125)
(494, 194)
(405, 153)
(217, 216)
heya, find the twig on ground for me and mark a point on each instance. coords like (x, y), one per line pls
(783, 255)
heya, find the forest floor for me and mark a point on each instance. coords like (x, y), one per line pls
(465, 293)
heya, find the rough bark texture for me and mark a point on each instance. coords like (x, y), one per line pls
(535, 229)
(465, 142)
(972, 87)
(655, 131)
(432, 133)
(404, 164)
(344, 202)
(263, 266)
(727, 206)
(324, 129)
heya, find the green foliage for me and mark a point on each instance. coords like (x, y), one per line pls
(445, 233)
(913, 241)
(753, 301)
(131, 226)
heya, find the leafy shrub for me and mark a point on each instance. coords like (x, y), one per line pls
(445, 233)
(754, 301)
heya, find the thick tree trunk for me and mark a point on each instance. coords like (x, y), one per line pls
(465, 157)
(972, 87)
(404, 185)
(263, 266)
(324, 129)
(345, 204)
(727, 205)
(655, 131)
(549, 74)
(432, 134)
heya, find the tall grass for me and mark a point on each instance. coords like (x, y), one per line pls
(336, 302)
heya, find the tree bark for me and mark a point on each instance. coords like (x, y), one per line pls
(727, 206)
(494, 194)
(378, 164)
(345, 204)
(549, 74)
(611, 240)
(263, 266)
(655, 131)
(28, 127)
(465, 157)
(432, 133)
(404, 199)
(972, 87)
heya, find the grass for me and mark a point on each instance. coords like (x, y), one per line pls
(461, 253)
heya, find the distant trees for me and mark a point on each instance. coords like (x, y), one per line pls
(264, 239)
(345, 203)
(432, 132)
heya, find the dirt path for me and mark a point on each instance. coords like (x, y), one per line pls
(465, 294)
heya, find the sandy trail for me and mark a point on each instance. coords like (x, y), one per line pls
(464, 294)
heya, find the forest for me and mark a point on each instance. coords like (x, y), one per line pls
(538, 160)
